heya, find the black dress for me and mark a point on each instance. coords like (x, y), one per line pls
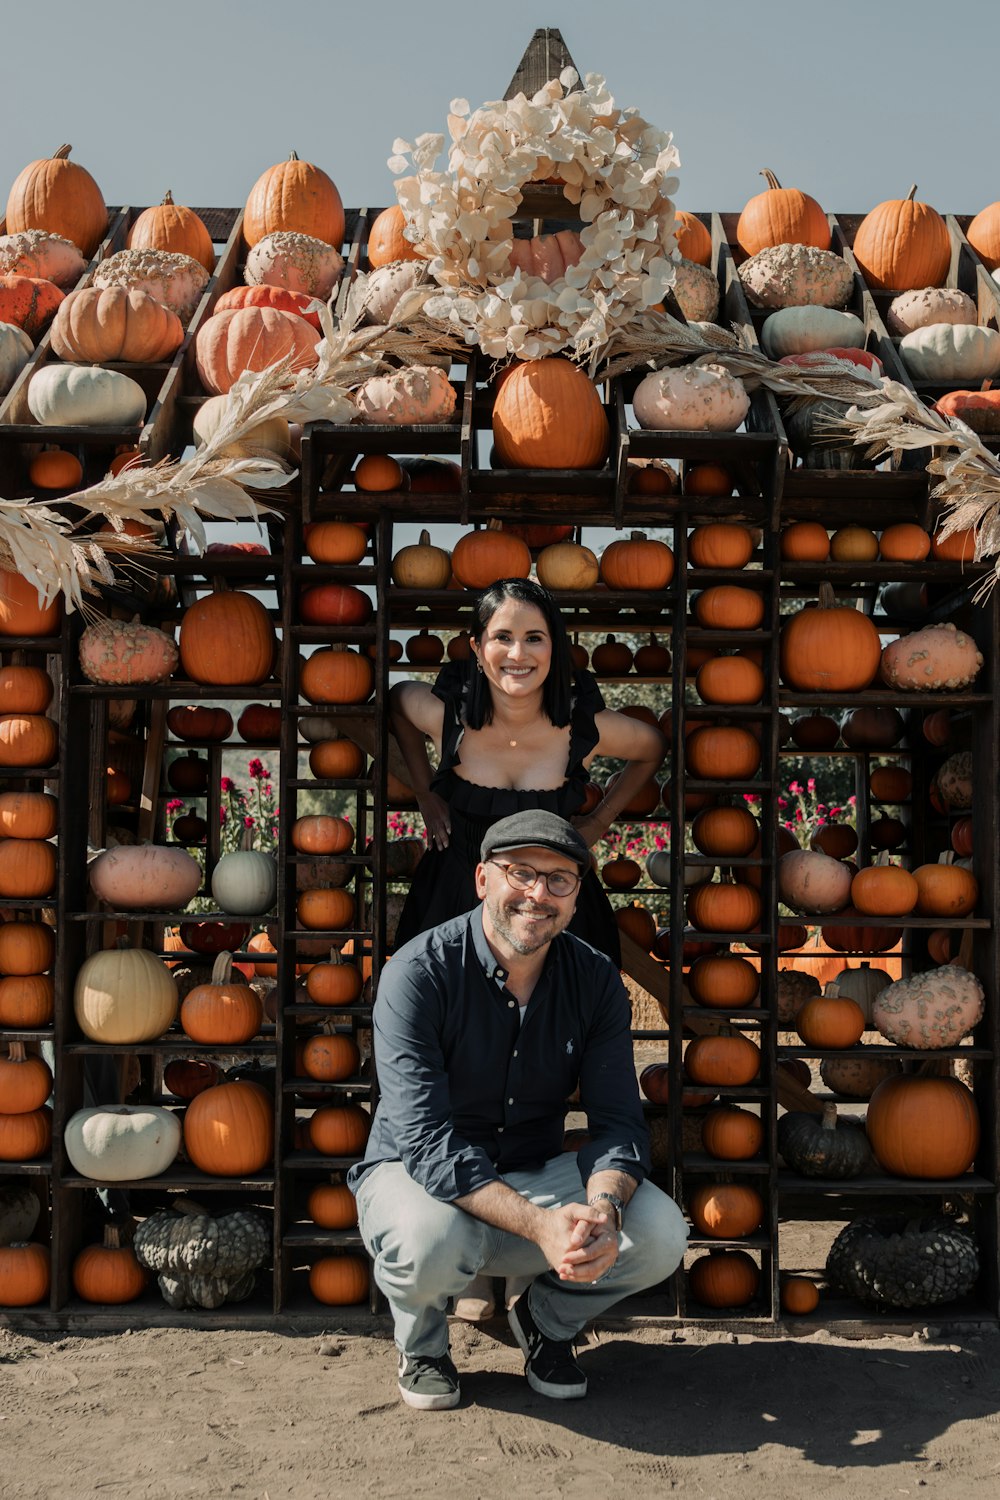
(444, 883)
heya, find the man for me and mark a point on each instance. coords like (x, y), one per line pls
(484, 1026)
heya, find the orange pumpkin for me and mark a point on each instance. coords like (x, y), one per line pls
(723, 907)
(221, 1012)
(693, 239)
(781, 216)
(708, 480)
(943, 890)
(829, 649)
(548, 415)
(21, 611)
(251, 338)
(730, 679)
(25, 1274)
(890, 784)
(724, 981)
(377, 473)
(28, 815)
(732, 1134)
(724, 1278)
(830, 1021)
(339, 1280)
(108, 1273)
(903, 245)
(481, 557)
(27, 740)
(28, 302)
(334, 983)
(296, 196)
(331, 1058)
(27, 1136)
(904, 542)
(60, 196)
(386, 241)
(172, 227)
(282, 298)
(24, 690)
(720, 544)
(339, 1130)
(320, 834)
(25, 1082)
(799, 1296)
(805, 541)
(325, 910)
(639, 563)
(884, 890)
(925, 1127)
(26, 947)
(26, 1001)
(27, 868)
(726, 1210)
(638, 924)
(728, 607)
(55, 469)
(336, 760)
(229, 1129)
(724, 831)
(959, 547)
(227, 640)
(332, 1205)
(200, 722)
(334, 675)
(724, 752)
(723, 1061)
(339, 542)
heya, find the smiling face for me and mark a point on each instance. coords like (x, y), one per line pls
(523, 921)
(515, 650)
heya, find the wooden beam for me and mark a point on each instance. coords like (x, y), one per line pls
(545, 57)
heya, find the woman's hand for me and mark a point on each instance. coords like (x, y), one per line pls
(437, 819)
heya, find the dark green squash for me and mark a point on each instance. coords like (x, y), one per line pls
(823, 1146)
(897, 1261)
(814, 438)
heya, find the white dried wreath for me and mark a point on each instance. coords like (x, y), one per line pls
(611, 162)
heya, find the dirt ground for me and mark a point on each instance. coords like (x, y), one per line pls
(163, 1413)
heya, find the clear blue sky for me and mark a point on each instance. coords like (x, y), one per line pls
(851, 101)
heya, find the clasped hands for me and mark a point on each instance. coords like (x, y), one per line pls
(579, 1242)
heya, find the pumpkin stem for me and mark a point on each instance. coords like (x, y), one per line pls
(769, 178)
(829, 1120)
(222, 969)
(62, 153)
(246, 842)
(112, 1237)
(637, 536)
(186, 1205)
(167, 198)
(425, 539)
(294, 156)
(16, 1052)
(911, 194)
(336, 957)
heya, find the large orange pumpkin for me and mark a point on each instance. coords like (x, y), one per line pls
(251, 338)
(60, 196)
(227, 639)
(229, 1129)
(548, 415)
(903, 245)
(172, 227)
(481, 557)
(781, 216)
(101, 325)
(923, 1127)
(333, 675)
(21, 611)
(296, 196)
(828, 649)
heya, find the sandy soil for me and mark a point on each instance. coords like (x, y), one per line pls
(169, 1413)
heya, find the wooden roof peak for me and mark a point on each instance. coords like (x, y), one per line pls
(544, 57)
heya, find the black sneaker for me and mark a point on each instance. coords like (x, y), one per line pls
(549, 1364)
(428, 1384)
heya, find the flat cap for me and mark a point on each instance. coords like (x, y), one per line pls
(536, 829)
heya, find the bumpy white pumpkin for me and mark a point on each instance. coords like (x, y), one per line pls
(860, 985)
(796, 276)
(801, 330)
(938, 658)
(122, 651)
(35, 252)
(813, 882)
(245, 883)
(934, 304)
(176, 280)
(145, 877)
(296, 261)
(267, 439)
(950, 351)
(85, 396)
(697, 291)
(694, 398)
(415, 396)
(124, 995)
(385, 288)
(932, 1010)
(122, 1143)
(15, 350)
(954, 782)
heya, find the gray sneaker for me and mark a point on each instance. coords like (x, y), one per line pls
(428, 1384)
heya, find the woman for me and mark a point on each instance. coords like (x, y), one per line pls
(514, 728)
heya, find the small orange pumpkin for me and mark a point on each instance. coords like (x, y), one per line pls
(726, 1210)
(339, 1280)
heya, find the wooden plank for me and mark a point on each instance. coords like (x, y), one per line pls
(545, 57)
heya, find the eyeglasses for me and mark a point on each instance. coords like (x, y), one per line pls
(524, 878)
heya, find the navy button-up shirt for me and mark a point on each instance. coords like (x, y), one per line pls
(469, 1092)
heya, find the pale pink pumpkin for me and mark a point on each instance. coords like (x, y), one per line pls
(547, 255)
(124, 652)
(295, 261)
(34, 252)
(251, 338)
(931, 1010)
(145, 877)
(419, 394)
(937, 657)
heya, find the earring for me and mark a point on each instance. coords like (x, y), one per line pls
(479, 662)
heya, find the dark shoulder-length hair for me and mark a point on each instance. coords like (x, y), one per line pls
(556, 690)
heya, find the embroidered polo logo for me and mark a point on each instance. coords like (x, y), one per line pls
(569, 1048)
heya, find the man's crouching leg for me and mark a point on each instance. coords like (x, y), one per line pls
(425, 1253)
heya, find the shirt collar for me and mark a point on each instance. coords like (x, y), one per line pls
(488, 961)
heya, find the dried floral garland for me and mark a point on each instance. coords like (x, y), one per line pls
(609, 161)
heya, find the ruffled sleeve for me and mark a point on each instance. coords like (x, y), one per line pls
(450, 685)
(587, 703)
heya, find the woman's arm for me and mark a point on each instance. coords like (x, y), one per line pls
(643, 749)
(415, 716)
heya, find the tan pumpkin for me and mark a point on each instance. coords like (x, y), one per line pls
(813, 883)
(178, 281)
(296, 262)
(422, 566)
(566, 565)
(107, 325)
(42, 256)
(930, 1010)
(124, 995)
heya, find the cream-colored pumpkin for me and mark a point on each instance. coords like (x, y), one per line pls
(122, 1143)
(812, 882)
(124, 995)
(85, 396)
(15, 350)
(939, 658)
(801, 330)
(36, 252)
(796, 276)
(267, 439)
(145, 877)
(565, 565)
(245, 882)
(694, 398)
(934, 304)
(120, 652)
(177, 281)
(951, 352)
(697, 291)
(418, 395)
(861, 985)
(931, 1010)
(383, 291)
(295, 261)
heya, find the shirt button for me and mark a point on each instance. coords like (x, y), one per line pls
(515, 1052)
(510, 1101)
(499, 1130)
(511, 1004)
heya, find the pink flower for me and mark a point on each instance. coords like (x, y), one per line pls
(795, 789)
(256, 769)
(811, 784)
(174, 805)
(248, 822)
(798, 815)
(852, 800)
(835, 812)
(227, 785)
(222, 815)
(782, 802)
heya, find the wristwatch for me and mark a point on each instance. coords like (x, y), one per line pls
(616, 1204)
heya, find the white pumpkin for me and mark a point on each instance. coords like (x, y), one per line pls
(245, 882)
(122, 651)
(801, 330)
(124, 995)
(296, 261)
(36, 252)
(122, 1143)
(145, 877)
(860, 985)
(812, 882)
(418, 395)
(932, 1010)
(797, 276)
(268, 439)
(658, 867)
(85, 396)
(955, 782)
(176, 280)
(950, 351)
(697, 291)
(314, 728)
(694, 398)
(15, 350)
(934, 304)
(383, 291)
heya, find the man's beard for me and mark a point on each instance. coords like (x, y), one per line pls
(501, 913)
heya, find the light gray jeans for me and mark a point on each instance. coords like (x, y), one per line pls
(427, 1251)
